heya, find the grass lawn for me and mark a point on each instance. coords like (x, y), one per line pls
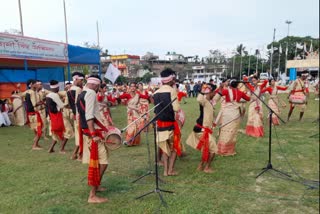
(38, 182)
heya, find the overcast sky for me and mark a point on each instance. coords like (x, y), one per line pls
(189, 27)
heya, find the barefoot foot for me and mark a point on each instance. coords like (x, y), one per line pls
(97, 200)
(101, 189)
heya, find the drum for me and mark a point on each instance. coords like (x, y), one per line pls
(113, 139)
(297, 99)
(180, 118)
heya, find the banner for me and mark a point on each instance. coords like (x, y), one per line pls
(12, 46)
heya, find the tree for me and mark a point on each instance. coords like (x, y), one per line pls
(216, 57)
(292, 51)
(241, 50)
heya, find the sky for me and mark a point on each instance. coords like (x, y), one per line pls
(188, 27)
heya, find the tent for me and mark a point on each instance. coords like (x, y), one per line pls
(23, 58)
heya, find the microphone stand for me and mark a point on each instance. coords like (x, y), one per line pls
(157, 189)
(150, 171)
(269, 165)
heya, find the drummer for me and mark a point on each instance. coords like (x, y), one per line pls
(300, 87)
(91, 124)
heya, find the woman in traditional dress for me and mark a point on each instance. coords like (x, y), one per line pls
(143, 104)
(274, 99)
(201, 137)
(103, 105)
(230, 117)
(18, 109)
(255, 113)
(133, 113)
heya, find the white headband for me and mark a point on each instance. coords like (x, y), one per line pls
(54, 86)
(167, 79)
(77, 77)
(93, 80)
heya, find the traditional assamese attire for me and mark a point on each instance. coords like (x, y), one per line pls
(72, 97)
(255, 113)
(42, 109)
(168, 131)
(33, 116)
(299, 89)
(230, 120)
(68, 117)
(104, 109)
(55, 106)
(94, 153)
(201, 137)
(18, 110)
(133, 114)
(274, 100)
(144, 108)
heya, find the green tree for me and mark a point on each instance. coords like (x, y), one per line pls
(291, 41)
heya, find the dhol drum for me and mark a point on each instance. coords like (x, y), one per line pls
(297, 99)
(180, 118)
(113, 139)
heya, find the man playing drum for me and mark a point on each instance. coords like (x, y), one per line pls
(95, 152)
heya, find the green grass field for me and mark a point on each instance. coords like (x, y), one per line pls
(38, 182)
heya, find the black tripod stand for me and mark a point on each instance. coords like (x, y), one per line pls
(157, 189)
(150, 171)
(269, 165)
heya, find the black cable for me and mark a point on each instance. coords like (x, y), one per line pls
(311, 184)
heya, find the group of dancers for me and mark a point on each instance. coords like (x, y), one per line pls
(82, 111)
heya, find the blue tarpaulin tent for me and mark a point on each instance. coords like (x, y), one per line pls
(80, 55)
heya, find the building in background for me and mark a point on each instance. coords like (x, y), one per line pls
(127, 64)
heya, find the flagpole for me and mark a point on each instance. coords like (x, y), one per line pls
(21, 22)
(280, 51)
(240, 65)
(288, 22)
(249, 65)
(233, 66)
(257, 55)
(274, 35)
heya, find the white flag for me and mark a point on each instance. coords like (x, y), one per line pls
(299, 46)
(286, 51)
(112, 73)
(311, 48)
(280, 49)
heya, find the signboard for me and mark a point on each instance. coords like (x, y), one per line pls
(17, 47)
(303, 63)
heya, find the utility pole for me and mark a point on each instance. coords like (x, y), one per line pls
(98, 39)
(20, 14)
(65, 21)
